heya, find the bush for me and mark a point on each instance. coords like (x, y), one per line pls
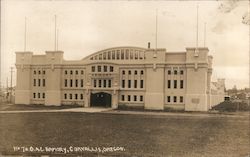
(232, 106)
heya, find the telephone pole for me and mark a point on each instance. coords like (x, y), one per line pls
(11, 88)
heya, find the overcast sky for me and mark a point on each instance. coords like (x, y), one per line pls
(89, 26)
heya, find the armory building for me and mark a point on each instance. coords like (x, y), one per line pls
(132, 76)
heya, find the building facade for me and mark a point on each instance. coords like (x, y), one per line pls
(130, 76)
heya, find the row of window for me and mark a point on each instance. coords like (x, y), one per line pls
(69, 83)
(119, 54)
(71, 72)
(39, 72)
(73, 96)
(104, 68)
(175, 84)
(39, 82)
(175, 72)
(175, 99)
(38, 95)
(102, 83)
(135, 98)
(129, 84)
(129, 72)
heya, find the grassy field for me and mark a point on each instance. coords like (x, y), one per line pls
(139, 135)
(14, 107)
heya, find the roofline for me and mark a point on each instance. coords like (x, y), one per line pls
(113, 48)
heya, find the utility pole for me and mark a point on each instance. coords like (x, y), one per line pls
(11, 88)
(7, 90)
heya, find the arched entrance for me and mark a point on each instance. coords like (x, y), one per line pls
(100, 99)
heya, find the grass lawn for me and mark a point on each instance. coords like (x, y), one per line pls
(140, 135)
(14, 107)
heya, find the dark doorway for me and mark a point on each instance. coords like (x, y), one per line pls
(100, 99)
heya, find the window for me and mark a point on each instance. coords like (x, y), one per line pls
(135, 72)
(123, 83)
(113, 54)
(135, 83)
(99, 68)
(65, 72)
(71, 72)
(100, 83)
(175, 72)
(181, 99)
(104, 83)
(135, 98)
(93, 68)
(123, 97)
(181, 72)
(141, 98)
(81, 82)
(169, 99)
(111, 68)
(76, 83)
(109, 55)
(71, 82)
(43, 95)
(175, 83)
(169, 83)
(104, 56)
(38, 95)
(129, 83)
(81, 96)
(118, 54)
(44, 72)
(128, 97)
(141, 83)
(70, 96)
(65, 96)
(105, 68)
(94, 83)
(181, 84)
(122, 55)
(169, 72)
(76, 72)
(39, 72)
(110, 83)
(175, 98)
(39, 82)
(34, 95)
(142, 72)
(123, 72)
(43, 82)
(129, 72)
(34, 83)
(34, 72)
(76, 96)
(65, 83)
(82, 72)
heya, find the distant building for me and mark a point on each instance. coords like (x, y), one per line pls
(131, 76)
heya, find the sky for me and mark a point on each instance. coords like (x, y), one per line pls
(86, 27)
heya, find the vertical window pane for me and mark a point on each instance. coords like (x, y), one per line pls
(175, 83)
(65, 83)
(141, 83)
(110, 83)
(135, 83)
